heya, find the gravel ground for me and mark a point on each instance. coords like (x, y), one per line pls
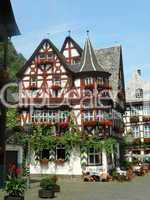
(138, 189)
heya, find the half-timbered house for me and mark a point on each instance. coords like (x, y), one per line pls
(74, 83)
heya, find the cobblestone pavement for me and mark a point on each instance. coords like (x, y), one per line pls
(138, 189)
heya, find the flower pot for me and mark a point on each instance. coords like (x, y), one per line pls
(46, 193)
(13, 198)
(59, 162)
(44, 162)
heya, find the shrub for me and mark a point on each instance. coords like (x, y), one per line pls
(48, 182)
(15, 187)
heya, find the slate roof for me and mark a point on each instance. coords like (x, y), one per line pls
(111, 60)
(88, 60)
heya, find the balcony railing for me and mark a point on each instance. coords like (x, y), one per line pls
(51, 118)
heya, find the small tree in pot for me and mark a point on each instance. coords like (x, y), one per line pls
(15, 188)
(49, 187)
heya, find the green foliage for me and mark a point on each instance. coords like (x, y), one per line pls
(11, 118)
(105, 144)
(125, 164)
(15, 187)
(48, 182)
(15, 60)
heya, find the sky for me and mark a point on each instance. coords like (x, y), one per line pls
(112, 22)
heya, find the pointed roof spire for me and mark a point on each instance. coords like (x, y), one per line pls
(87, 32)
(89, 61)
(69, 33)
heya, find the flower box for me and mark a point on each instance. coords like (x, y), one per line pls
(45, 60)
(106, 123)
(56, 87)
(44, 161)
(60, 162)
(90, 123)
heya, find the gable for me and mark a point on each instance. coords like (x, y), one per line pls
(45, 54)
(71, 51)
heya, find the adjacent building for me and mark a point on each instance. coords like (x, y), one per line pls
(84, 85)
(137, 116)
(8, 28)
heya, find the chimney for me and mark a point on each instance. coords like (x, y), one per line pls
(139, 72)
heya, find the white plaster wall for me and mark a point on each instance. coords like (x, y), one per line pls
(73, 167)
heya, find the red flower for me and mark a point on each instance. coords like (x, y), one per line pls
(18, 171)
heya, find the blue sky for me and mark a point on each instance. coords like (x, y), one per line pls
(110, 23)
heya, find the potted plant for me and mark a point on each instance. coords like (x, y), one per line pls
(44, 161)
(48, 187)
(15, 188)
(59, 161)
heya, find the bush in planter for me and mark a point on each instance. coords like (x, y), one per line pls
(49, 187)
(15, 188)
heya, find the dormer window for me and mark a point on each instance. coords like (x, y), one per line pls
(139, 93)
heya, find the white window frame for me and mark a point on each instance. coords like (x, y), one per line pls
(136, 131)
(147, 131)
(88, 81)
(94, 154)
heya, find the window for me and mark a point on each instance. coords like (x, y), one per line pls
(75, 60)
(55, 93)
(106, 81)
(56, 81)
(44, 116)
(60, 152)
(33, 79)
(88, 81)
(100, 80)
(94, 157)
(42, 56)
(50, 55)
(136, 131)
(147, 131)
(88, 115)
(146, 110)
(139, 93)
(63, 116)
(45, 154)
